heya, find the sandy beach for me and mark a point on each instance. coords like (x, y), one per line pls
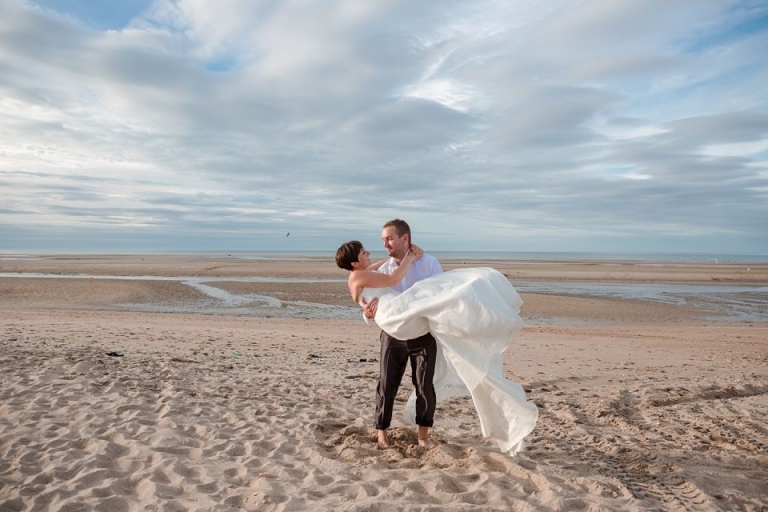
(175, 383)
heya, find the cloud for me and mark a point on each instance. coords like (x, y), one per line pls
(518, 126)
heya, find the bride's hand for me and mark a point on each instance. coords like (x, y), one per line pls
(416, 251)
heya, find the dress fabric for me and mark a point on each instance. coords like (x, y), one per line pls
(474, 316)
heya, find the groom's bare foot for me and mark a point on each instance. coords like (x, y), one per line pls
(424, 438)
(382, 438)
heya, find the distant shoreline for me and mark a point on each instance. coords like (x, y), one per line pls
(300, 255)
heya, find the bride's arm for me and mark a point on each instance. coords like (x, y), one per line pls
(375, 266)
(371, 279)
(415, 249)
(360, 279)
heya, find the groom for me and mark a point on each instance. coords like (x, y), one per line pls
(395, 354)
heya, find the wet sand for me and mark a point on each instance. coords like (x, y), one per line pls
(643, 405)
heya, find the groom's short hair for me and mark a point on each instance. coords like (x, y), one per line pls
(401, 227)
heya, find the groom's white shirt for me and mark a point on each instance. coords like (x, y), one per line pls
(420, 269)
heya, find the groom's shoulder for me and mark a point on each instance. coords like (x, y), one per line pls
(427, 257)
(429, 260)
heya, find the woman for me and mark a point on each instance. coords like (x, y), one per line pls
(473, 314)
(354, 257)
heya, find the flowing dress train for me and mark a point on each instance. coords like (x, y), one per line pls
(474, 316)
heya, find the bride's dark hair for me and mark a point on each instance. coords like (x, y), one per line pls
(348, 253)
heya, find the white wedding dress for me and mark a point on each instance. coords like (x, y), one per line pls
(473, 314)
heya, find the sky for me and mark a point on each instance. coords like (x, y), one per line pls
(503, 125)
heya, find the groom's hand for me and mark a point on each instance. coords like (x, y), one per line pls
(370, 308)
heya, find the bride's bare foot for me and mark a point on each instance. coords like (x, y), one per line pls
(382, 438)
(424, 438)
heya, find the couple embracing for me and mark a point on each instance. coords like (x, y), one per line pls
(452, 326)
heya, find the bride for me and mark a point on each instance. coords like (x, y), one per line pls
(473, 315)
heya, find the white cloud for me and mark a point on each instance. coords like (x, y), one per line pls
(525, 125)
(744, 149)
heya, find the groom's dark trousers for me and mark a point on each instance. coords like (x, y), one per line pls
(395, 354)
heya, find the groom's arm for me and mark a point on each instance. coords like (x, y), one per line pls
(370, 308)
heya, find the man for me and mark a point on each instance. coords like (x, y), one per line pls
(395, 354)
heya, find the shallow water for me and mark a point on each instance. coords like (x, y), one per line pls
(223, 302)
(725, 302)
